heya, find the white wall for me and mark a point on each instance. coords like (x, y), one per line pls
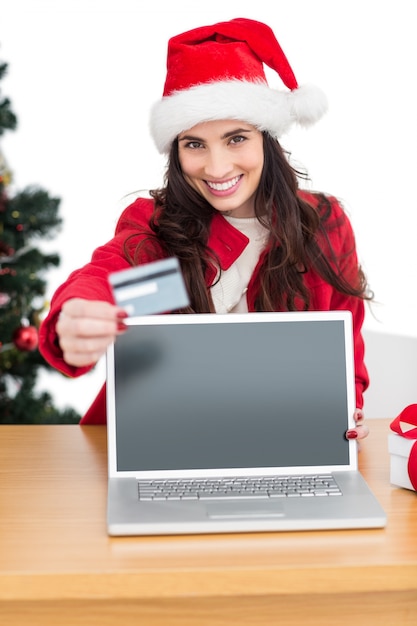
(83, 74)
(392, 363)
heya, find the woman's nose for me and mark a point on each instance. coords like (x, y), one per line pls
(218, 164)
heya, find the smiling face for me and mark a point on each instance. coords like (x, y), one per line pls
(223, 160)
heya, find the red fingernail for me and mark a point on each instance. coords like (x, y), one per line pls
(121, 326)
(351, 434)
(122, 315)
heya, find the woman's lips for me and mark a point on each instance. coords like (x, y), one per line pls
(224, 188)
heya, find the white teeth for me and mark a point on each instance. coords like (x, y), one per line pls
(224, 186)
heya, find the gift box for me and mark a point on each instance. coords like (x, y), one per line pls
(402, 446)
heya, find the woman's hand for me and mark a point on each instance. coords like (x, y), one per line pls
(86, 328)
(360, 431)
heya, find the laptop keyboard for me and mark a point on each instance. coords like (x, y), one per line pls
(239, 488)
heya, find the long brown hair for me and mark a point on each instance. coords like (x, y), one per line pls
(181, 222)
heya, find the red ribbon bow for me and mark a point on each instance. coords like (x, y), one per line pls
(405, 424)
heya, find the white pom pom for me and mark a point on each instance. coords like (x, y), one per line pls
(308, 104)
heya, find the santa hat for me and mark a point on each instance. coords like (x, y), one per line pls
(217, 72)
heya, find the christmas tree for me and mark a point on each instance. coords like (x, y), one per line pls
(25, 217)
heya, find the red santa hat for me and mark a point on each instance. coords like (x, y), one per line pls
(217, 72)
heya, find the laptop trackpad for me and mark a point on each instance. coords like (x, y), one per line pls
(245, 509)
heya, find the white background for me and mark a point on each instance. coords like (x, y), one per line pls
(84, 73)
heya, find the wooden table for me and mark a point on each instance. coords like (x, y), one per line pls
(58, 566)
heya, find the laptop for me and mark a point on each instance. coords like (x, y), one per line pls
(234, 423)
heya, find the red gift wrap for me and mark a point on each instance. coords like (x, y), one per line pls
(405, 425)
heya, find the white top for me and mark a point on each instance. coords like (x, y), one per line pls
(229, 294)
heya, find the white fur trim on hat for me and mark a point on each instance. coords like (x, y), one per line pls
(255, 103)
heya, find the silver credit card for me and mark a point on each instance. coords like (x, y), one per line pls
(152, 288)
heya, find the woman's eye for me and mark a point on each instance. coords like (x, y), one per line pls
(238, 139)
(193, 145)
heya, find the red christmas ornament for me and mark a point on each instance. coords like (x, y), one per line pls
(25, 338)
(4, 298)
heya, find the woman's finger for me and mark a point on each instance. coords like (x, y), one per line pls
(361, 430)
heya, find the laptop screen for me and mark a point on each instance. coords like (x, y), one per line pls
(262, 390)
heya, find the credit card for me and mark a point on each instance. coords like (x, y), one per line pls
(156, 287)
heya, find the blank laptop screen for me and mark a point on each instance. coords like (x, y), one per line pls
(225, 395)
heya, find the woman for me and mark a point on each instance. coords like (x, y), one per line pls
(248, 239)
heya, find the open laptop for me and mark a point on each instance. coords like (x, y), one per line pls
(234, 423)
